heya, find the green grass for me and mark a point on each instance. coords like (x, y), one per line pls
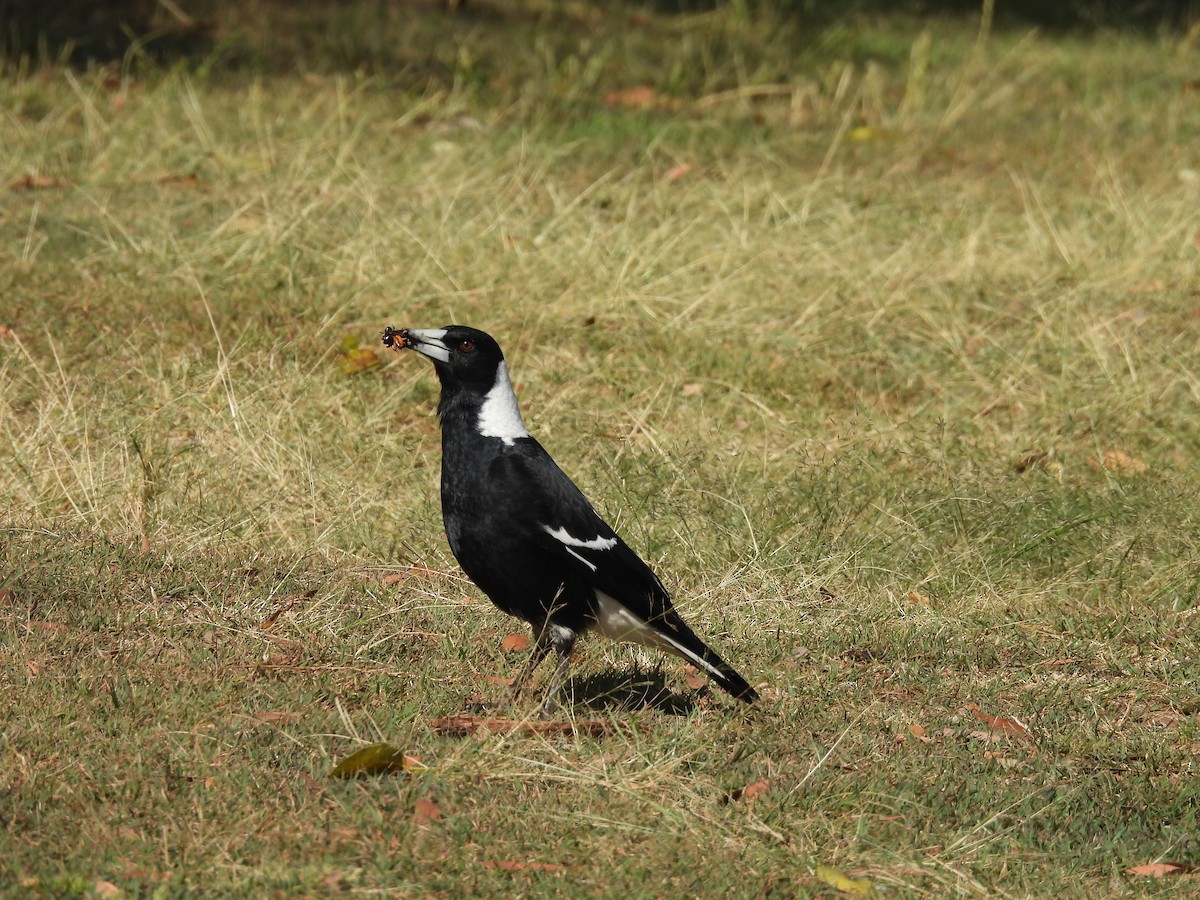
(799, 377)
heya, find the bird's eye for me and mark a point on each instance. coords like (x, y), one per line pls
(466, 346)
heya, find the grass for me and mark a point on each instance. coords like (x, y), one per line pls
(806, 377)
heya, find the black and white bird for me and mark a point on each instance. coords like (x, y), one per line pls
(526, 535)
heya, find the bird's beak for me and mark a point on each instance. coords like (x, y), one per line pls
(426, 341)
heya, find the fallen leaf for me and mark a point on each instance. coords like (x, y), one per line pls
(515, 642)
(867, 133)
(1161, 718)
(693, 678)
(750, 791)
(859, 887)
(354, 358)
(464, 726)
(8, 597)
(425, 811)
(676, 172)
(915, 597)
(690, 390)
(918, 731)
(641, 97)
(178, 180)
(104, 888)
(376, 759)
(1118, 461)
(516, 865)
(1030, 459)
(394, 578)
(36, 183)
(999, 723)
(1159, 869)
(6, 332)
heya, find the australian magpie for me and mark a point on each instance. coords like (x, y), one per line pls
(526, 535)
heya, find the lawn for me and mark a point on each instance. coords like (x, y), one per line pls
(880, 340)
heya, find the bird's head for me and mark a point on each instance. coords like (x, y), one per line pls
(462, 356)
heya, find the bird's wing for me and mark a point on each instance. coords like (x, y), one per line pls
(563, 523)
(632, 603)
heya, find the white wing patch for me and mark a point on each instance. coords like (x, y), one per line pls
(617, 623)
(500, 416)
(563, 536)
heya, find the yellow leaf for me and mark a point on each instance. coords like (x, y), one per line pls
(375, 760)
(867, 133)
(859, 887)
(356, 360)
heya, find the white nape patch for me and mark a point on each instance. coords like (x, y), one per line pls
(429, 343)
(500, 416)
(617, 623)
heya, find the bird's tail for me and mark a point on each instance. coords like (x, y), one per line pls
(723, 674)
(683, 642)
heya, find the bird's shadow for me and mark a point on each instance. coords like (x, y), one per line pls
(627, 692)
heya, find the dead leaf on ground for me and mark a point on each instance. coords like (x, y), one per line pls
(918, 731)
(6, 332)
(376, 759)
(749, 791)
(354, 358)
(1161, 718)
(693, 678)
(515, 642)
(1029, 459)
(1120, 462)
(690, 390)
(676, 172)
(104, 888)
(177, 180)
(1161, 869)
(517, 865)
(394, 578)
(859, 887)
(8, 597)
(36, 183)
(919, 598)
(999, 723)
(640, 97)
(465, 726)
(425, 812)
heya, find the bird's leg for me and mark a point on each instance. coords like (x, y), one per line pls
(563, 648)
(541, 647)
